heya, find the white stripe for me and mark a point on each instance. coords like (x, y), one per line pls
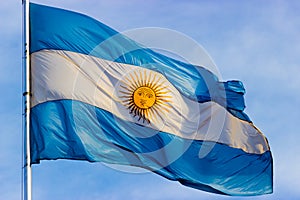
(68, 75)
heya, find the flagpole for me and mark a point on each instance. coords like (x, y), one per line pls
(26, 96)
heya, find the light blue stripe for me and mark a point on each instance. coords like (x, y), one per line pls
(66, 129)
(58, 29)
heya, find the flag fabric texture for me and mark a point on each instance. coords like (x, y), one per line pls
(99, 96)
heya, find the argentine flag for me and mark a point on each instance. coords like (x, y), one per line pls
(101, 97)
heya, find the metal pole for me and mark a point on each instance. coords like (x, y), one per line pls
(26, 94)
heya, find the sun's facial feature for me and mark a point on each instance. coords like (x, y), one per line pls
(145, 95)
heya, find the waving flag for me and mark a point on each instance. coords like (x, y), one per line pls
(99, 96)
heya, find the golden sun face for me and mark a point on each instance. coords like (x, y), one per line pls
(145, 95)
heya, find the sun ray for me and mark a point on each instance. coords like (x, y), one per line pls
(125, 93)
(132, 81)
(163, 100)
(153, 81)
(155, 110)
(127, 102)
(145, 77)
(125, 97)
(129, 86)
(137, 79)
(151, 116)
(162, 93)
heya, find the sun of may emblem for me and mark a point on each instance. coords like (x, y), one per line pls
(146, 95)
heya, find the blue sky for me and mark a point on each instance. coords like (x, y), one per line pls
(254, 41)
